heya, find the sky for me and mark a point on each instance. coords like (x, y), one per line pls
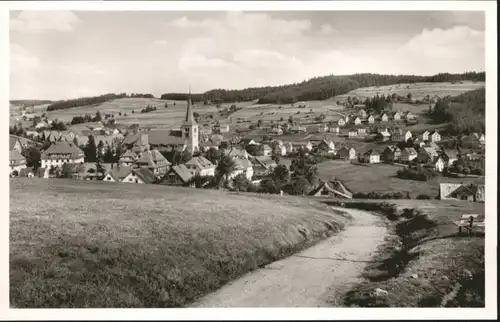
(68, 54)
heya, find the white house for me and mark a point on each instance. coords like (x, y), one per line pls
(435, 136)
(371, 119)
(60, 153)
(341, 122)
(371, 156)
(384, 117)
(407, 136)
(425, 136)
(16, 161)
(140, 175)
(201, 166)
(242, 166)
(357, 120)
(438, 164)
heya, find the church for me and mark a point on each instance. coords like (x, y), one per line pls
(185, 139)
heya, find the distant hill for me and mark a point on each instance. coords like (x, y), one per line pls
(319, 88)
(26, 103)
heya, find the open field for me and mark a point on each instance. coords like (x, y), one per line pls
(425, 263)
(382, 178)
(146, 245)
(417, 90)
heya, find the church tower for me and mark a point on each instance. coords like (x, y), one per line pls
(189, 128)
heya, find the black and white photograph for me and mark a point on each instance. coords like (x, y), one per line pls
(244, 157)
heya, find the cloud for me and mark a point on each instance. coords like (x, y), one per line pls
(160, 42)
(22, 60)
(456, 49)
(327, 30)
(194, 61)
(40, 21)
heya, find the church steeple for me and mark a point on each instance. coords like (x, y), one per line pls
(189, 120)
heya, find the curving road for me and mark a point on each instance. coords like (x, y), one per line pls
(315, 277)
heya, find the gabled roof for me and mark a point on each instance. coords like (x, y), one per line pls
(410, 151)
(15, 156)
(429, 150)
(182, 172)
(63, 148)
(434, 132)
(335, 187)
(119, 172)
(242, 164)
(151, 158)
(144, 174)
(450, 154)
(201, 162)
(265, 161)
(13, 141)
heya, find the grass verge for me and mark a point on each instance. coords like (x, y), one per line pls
(77, 244)
(425, 262)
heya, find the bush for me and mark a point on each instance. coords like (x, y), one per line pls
(424, 197)
(478, 172)
(419, 174)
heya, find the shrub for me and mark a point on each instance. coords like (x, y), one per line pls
(424, 197)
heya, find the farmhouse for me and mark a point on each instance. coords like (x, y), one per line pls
(280, 149)
(140, 175)
(460, 191)
(244, 167)
(333, 188)
(408, 154)
(178, 175)
(371, 119)
(353, 133)
(137, 143)
(327, 146)
(384, 135)
(357, 121)
(370, 156)
(341, 122)
(16, 161)
(200, 166)
(435, 136)
(222, 127)
(60, 153)
(384, 118)
(128, 158)
(207, 144)
(333, 129)
(307, 146)
(266, 150)
(425, 136)
(427, 154)
(391, 153)
(346, 154)
(449, 156)
(396, 116)
(407, 135)
(154, 161)
(266, 162)
(236, 153)
(438, 164)
(361, 131)
(117, 174)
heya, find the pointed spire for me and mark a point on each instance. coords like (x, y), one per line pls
(189, 120)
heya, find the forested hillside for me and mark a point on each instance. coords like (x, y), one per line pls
(319, 88)
(466, 113)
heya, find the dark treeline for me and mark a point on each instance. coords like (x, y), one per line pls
(27, 103)
(83, 101)
(318, 88)
(182, 97)
(465, 112)
(138, 95)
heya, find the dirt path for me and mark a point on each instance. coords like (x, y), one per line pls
(313, 278)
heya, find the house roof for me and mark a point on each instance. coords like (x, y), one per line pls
(450, 154)
(25, 171)
(63, 148)
(434, 132)
(236, 153)
(201, 162)
(119, 172)
(144, 174)
(15, 156)
(410, 151)
(265, 161)
(182, 172)
(429, 150)
(13, 141)
(371, 152)
(165, 137)
(335, 187)
(242, 164)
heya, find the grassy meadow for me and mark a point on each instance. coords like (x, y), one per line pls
(417, 90)
(94, 244)
(382, 178)
(425, 261)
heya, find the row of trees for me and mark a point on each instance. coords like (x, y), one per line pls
(83, 101)
(86, 118)
(318, 88)
(138, 95)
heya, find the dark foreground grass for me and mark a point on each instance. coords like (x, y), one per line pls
(95, 244)
(425, 262)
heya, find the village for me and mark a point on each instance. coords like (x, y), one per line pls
(131, 154)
